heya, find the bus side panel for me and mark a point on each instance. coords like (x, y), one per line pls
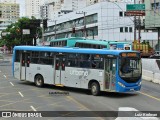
(72, 76)
(17, 70)
(23, 72)
(32, 72)
(80, 77)
(46, 71)
(93, 74)
(59, 77)
(62, 81)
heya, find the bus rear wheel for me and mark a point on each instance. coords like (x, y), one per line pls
(95, 89)
(39, 81)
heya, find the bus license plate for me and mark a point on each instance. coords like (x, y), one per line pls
(131, 89)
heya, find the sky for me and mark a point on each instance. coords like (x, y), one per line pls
(22, 7)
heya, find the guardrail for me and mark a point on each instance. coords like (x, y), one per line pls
(151, 70)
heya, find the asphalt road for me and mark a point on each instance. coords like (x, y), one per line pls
(18, 95)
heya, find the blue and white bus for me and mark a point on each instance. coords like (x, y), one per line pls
(94, 69)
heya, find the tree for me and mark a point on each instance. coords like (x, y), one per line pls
(16, 36)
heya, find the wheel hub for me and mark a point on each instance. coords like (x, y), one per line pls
(94, 89)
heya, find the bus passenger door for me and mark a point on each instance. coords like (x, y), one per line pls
(25, 63)
(110, 74)
(60, 69)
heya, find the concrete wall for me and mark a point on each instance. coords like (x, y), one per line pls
(150, 70)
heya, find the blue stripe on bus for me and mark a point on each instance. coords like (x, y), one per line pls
(71, 50)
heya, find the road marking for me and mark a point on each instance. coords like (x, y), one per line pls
(4, 76)
(11, 83)
(75, 101)
(149, 95)
(33, 108)
(21, 94)
(13, 103)
(81, 105)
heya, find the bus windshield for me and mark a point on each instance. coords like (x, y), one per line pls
(130, 69)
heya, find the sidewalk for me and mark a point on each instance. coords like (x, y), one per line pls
(5, 57)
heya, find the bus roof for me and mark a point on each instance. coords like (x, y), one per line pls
(71, 50)
(120, 42)
(62, 39)
(98, 42)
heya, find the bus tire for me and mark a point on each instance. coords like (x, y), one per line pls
(95, 89)
(39, 81)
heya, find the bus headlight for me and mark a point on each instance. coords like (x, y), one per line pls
(121, 85)
(139, 83)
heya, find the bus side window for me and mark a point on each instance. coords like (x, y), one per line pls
(35, 57)
(17, 58)
(98, 47)
(65, 43)
(81, 45)
(85, 61)
(97, 62)
(46, 58)
(72, 60)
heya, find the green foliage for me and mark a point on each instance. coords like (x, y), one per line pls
(2, 42)
(16, 36)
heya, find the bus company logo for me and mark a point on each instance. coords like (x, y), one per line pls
(79, 73)
(6, 114)
(16, 69)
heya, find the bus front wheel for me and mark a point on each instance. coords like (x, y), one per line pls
(95, 89)
(39, 81)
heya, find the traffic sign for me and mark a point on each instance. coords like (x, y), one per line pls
(26, 31)
(5, 33)
(131, 7)
(134, 13)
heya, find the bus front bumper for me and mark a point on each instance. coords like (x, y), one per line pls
(123, 88)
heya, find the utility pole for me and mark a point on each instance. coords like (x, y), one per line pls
(134, 24)
(55, 35)
(139, 28)
(42, 30)
(84, 22)
(42, 14)
(21, 30)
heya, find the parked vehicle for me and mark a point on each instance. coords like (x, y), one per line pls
(156, 55)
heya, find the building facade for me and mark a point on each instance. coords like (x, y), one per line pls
(44, 11)
(9, 13)
(8, 1)
(32, 8)
(152, 14)
(152, 18)
(104, 20)
(57, 8)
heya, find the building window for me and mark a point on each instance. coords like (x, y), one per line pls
(126, 29)
(91, 19)
(155, 5)
(121, 14)
(121, 29)
(130, 29)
